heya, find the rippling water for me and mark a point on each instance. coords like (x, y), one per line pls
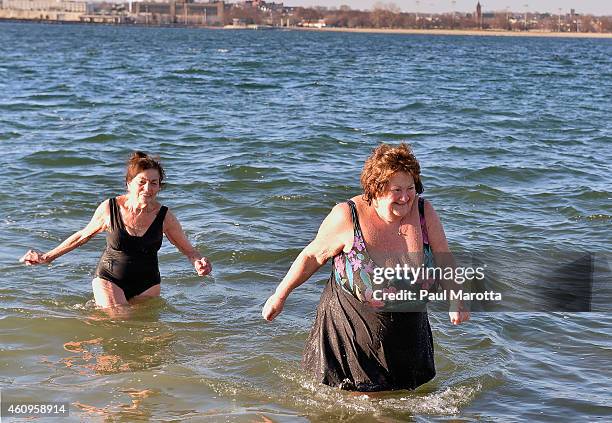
(261, 134)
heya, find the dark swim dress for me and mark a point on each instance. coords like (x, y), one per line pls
(130, 262)
(354, 344)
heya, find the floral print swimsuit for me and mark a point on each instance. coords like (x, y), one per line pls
(354, 271)
(361, 344)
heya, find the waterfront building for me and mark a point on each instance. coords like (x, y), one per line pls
(50, 10)
(181, 12)
(173, 12)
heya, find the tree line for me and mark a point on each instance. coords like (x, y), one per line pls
(389, 15)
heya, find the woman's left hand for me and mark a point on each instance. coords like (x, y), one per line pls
(457, 317)
(202, 266)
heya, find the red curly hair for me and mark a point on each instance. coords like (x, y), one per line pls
(384, 161)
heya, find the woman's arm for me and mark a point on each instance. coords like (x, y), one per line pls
(335, 233)
(175, 234)
(98, 223)
(443, 258)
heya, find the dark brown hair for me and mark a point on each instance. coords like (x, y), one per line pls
(139, 162)
(384, 161)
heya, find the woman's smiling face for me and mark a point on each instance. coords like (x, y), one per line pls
(398, 196)
(145, 186)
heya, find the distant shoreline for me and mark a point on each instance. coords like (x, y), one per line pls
(406, 31)
(493, 33)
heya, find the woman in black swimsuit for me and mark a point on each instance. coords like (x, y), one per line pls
(135, 224)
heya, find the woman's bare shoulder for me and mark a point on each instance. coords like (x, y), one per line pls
(362, 206)
(338, 216)
(429, 210)
(103, 208)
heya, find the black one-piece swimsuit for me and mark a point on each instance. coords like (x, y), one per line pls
(129, 261)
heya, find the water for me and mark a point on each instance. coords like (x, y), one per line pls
(261, 134)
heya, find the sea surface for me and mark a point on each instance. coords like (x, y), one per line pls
(261, 134)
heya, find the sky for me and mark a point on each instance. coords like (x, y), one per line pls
(596, 7)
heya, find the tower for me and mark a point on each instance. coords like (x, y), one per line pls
(479, 15)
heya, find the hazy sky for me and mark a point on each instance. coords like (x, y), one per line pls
(597, 7)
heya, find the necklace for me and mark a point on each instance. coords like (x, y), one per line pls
(132, 224)
(131, 217)
(138, 211)
(399, 230)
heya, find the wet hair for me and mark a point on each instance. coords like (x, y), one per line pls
(139, 162)
(384, 161)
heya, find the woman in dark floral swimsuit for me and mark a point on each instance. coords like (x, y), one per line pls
(362, 340)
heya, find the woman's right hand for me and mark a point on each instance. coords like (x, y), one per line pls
(33, 257)
(334, 234)
(273, 307)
